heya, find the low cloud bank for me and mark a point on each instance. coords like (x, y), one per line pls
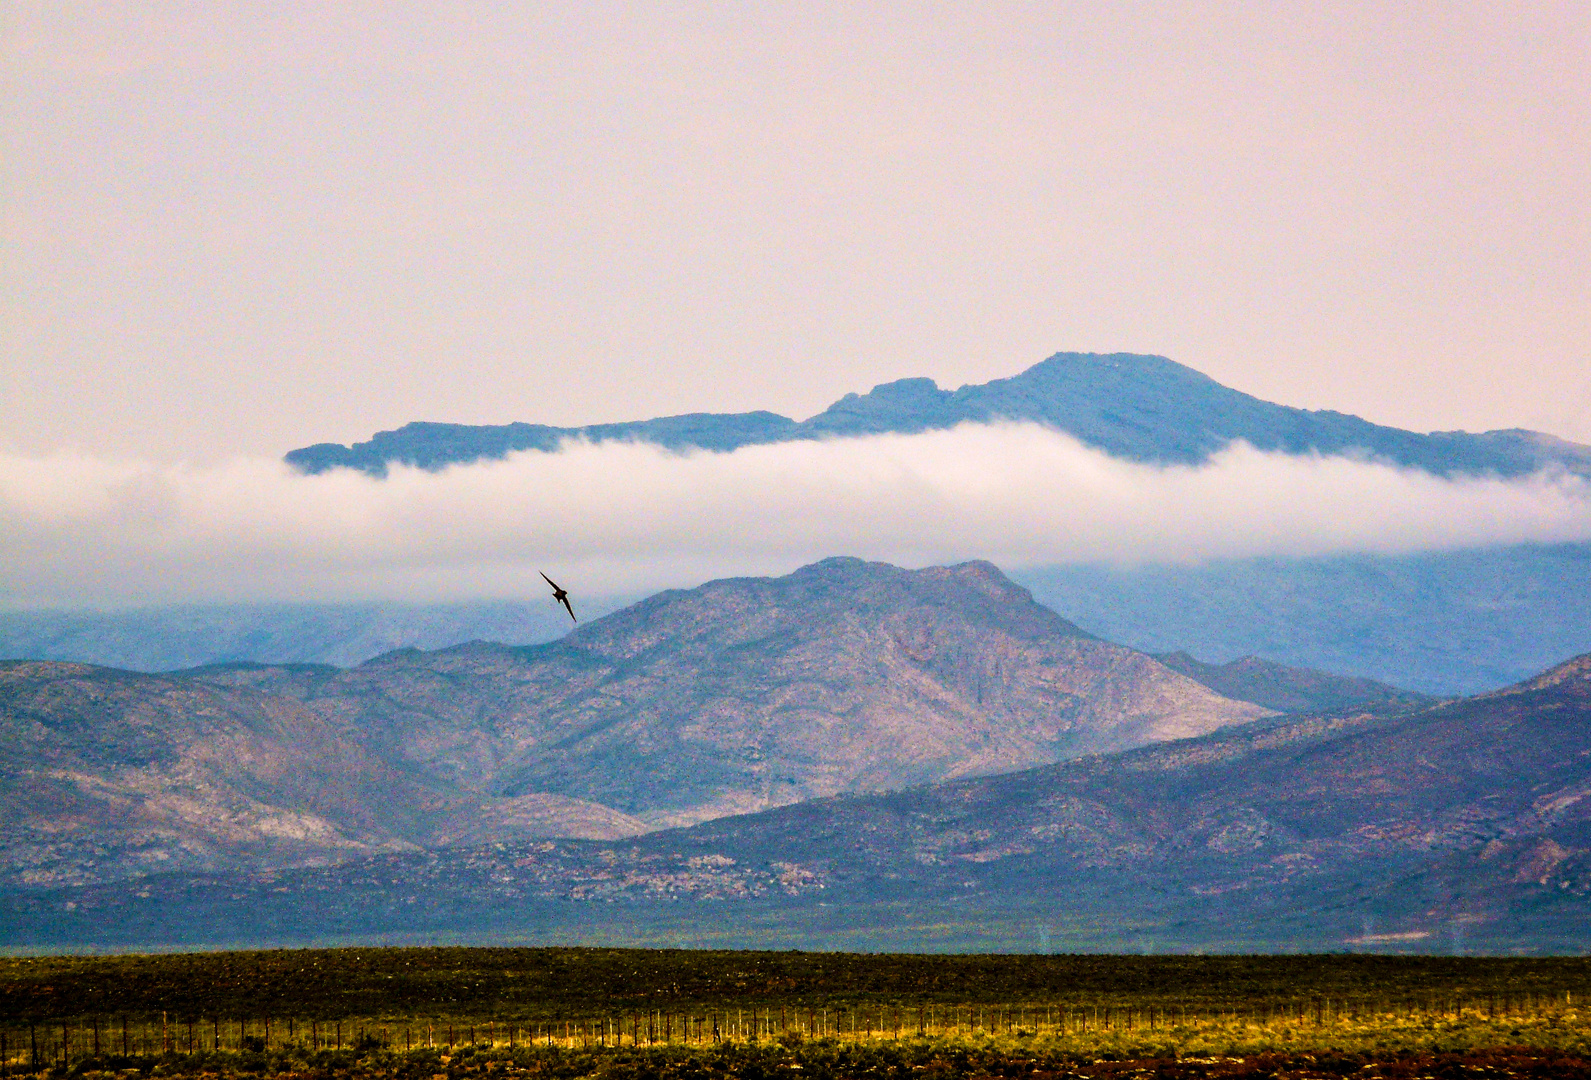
(630, 517)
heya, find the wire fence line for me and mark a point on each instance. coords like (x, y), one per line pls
(44, 1044)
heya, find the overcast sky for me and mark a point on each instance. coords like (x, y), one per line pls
(234, 229)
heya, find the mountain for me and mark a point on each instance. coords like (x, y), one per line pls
(1443, 623)
(1290, 689)
(754, 692)
(110, 774)
(1465, 824)
(1470, 815)
(113, 774)
(1143, 408)
(742, 694)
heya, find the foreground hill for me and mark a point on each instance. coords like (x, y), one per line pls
(1463, 824)
(742, 694)
(1144, 408)
(1466, 818)
(754, 692)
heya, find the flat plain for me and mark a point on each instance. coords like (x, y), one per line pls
(429, 1012)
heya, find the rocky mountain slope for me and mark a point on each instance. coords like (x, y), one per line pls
(755, 692)
(1291, 689)
(742, 694)
(1466, 824)
(1145, 408)
(110, 774)
(1472, 815)
(1446, 623)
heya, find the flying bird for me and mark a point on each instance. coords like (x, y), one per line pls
(559, 596)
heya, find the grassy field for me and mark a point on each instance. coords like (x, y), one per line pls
(582, 1012)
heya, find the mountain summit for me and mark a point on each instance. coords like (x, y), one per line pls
(1143, 408)
(746, 693)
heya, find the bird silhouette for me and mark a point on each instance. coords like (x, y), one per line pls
(559, 596)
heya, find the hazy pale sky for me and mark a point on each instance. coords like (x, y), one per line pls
(240, 228)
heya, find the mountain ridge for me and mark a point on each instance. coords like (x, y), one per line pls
(1289, 689)
(1466, 821)
(1138, 407)
(740, 694)
(1441, 623)
(748, 692)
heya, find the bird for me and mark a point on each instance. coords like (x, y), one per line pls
(559, 596)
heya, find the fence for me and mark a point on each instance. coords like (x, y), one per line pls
(44, 1044)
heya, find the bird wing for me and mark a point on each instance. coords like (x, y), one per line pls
(569, 609)
(549, 581)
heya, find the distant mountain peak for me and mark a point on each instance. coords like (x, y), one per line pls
(836, 564)
(916, 390)
(1137, 407)
(985, 577)
(980, 570)
(837, 587)
(1141, 364)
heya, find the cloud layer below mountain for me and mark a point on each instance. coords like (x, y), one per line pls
(629, 517)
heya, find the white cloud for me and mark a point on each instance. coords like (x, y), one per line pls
(628, 517)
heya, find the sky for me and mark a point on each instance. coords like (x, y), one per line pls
(231, 230)
(235, 229)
